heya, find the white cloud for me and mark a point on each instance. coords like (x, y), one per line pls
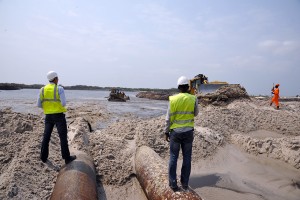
(261, 16)
(249, 63)
(279, 47)
(167, 25)
(72, 13)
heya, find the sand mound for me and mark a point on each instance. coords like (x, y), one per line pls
(250, 124)
(224, 95)
(285, 149)
(155, 95)
(23, 175)
(113, 154)
(238, 120)
(244, 116)
(113, 148)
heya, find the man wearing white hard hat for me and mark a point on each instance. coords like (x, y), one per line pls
(183, 107)
(53, 101)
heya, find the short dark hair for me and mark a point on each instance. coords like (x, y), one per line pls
(183, 88)
(51, 81)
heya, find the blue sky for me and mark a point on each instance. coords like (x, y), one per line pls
(150, 43)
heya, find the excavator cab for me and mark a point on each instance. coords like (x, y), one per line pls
(196, 82)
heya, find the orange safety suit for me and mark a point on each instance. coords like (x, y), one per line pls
(275, 98)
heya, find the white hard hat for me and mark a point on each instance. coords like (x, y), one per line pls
(51, 75)
(182, 81)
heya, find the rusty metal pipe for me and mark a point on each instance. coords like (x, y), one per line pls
(152, 173)
(76, 180)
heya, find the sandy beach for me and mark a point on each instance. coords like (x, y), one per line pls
(243, 150)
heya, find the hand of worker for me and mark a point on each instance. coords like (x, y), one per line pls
(167, 136)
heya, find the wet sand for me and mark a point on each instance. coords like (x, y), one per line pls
(238, 175)
(245, 150)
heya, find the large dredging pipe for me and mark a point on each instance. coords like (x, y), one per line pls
(152, 173)
(76, 180)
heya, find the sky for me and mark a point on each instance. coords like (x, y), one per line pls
(151, 43)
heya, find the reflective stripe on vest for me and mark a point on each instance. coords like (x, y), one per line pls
(182, 108)
(50, 100)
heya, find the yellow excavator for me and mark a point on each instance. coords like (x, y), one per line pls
(200, 84)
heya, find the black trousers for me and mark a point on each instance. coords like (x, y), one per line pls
(59, 120)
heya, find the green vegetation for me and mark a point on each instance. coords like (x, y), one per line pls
(16, 86)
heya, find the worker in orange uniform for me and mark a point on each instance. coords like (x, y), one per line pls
(275, 99)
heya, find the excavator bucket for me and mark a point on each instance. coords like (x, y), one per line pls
(200, 84)
(209, 88)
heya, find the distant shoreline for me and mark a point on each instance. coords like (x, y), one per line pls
(17, 86)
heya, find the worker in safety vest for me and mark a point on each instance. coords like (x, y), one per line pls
(52, 99)
(182, 109)
(275, 99)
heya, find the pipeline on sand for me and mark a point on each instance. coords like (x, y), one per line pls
(76, 180)
(152, 173)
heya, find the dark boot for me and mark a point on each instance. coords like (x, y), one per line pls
(44, 160)
(70, 159)
(175, 189)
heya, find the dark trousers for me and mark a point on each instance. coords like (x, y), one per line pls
(60, 122)
(185, 142)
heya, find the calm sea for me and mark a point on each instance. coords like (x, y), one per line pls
(24, 101)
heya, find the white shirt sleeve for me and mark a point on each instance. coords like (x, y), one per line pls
(39, 102)
(62, 96)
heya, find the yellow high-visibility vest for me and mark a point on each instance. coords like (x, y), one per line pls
(182, 108)
(50, 100)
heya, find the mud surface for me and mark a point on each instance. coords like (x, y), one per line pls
(243, 150)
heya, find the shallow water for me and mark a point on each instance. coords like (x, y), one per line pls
(241, 173)
(24, 101)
